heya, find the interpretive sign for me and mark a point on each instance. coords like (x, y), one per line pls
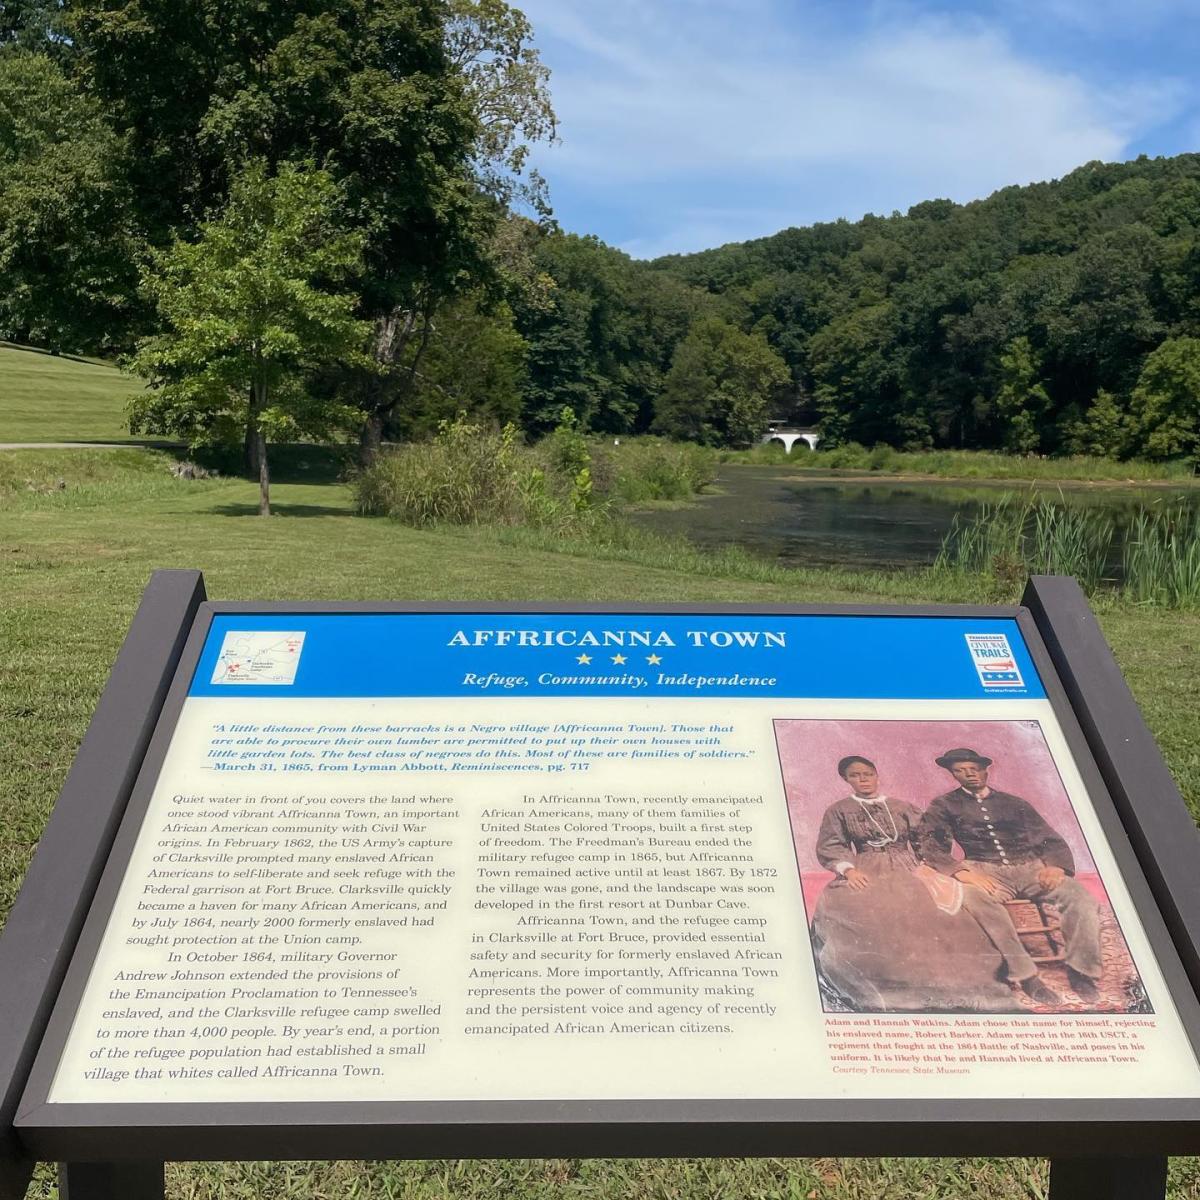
(689, 871)
(440, 856)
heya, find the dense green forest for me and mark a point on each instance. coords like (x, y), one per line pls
(1055, 318)
(1059, 316)
(317, 219)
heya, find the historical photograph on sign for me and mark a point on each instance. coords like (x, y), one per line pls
(944, 870)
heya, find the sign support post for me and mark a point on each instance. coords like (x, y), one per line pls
(1131, 764)
(43, 927)
(1108, 1178)
(1155, 817)
(111, 1181)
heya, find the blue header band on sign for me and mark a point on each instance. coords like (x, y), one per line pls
(744, 655)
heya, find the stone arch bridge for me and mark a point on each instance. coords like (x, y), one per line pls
(790, 435)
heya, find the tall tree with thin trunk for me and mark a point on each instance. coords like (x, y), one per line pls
(489, 49)
(249, 309)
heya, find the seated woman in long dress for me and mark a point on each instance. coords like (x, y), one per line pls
(891, 934)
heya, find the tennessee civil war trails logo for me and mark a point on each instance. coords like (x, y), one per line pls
(994, 661)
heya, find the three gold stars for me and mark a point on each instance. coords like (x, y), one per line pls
(619, 659)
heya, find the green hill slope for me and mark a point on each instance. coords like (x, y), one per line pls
(49, 399)
(1022, 322)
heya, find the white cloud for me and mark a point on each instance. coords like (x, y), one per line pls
(717, 97)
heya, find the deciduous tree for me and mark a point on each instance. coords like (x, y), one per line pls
(1022, 400)
(248, 309)
(1166, 401)
(1104, 430)
(68, 250)
(475, 364)
(491, 44)
(720, 386)
(364, 88)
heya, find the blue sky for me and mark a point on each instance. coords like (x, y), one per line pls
(690, 123)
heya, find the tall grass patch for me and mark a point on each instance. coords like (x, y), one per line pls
(1013, 538)
(465, 476)
(1004, 542)
(472, 475)
(1161, 562)
(635, 470)
(1070, 541)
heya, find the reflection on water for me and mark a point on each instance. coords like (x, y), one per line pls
(800, 521)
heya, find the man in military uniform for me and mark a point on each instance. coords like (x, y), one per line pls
(1009, 851)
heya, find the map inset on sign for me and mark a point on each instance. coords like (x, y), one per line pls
(263, 656)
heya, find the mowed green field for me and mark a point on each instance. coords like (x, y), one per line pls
(80, 532)
(48, 399)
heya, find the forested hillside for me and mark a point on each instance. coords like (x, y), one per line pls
(1055, 318)
(146, 200)
(1059, 316)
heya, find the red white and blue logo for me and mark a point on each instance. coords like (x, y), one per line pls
(994, 661)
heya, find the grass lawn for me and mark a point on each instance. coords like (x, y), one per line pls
(73, 561)
(44, 398)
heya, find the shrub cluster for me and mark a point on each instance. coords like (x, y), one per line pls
(634, 470)
(470, 474)
(467, 475)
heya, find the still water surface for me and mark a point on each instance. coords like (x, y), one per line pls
(814, 521)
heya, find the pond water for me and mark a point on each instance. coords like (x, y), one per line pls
(805, 520)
